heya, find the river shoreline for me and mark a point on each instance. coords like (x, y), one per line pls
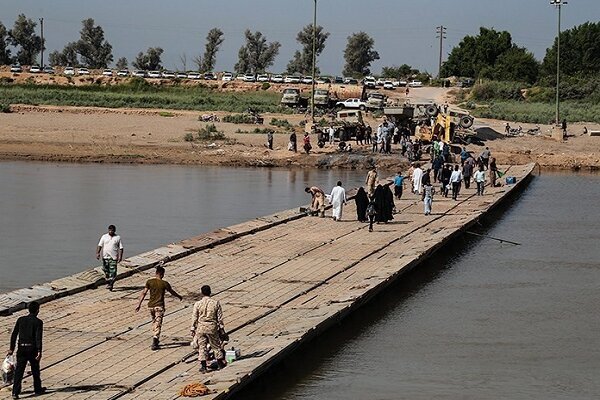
(130, 136)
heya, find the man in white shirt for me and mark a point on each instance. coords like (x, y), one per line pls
(417, 176)
(480, 180)
(110, 248)
(455, 180)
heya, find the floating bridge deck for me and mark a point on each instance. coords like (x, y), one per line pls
(281, 280)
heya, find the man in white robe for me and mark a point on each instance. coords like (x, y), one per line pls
(338, 199)
(417, 176)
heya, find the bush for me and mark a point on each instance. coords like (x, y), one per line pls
(166, 114)
(281, 123)
(188, 137)
(210, 132)
(497, 91)
(239, 119)
(4, 108)
(265, 86)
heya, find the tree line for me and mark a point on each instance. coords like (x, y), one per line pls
(257, 54)
(493, 55)
(490, 54)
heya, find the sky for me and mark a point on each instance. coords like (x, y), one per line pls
(404, 31)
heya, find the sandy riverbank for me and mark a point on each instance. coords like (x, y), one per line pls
(80, 134)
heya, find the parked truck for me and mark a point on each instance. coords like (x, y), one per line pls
(291, 98)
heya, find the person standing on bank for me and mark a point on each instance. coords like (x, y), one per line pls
(110, 248)
(293, 142)
(270, 139)
(28, 330)
(480, 180)
(207, 320)
(157, 287)
(338, 200)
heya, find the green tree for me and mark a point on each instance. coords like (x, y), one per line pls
(302, 61)
(359, 54)
(476, 53)
(214, 39)
(67, 57)
(5, 57)
(122, 63)
(23, 36)
(256, 55)
(516, 64)
(94, 50)
(579, 52)
(403, 71)
(150, 61)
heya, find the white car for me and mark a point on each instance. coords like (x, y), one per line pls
(154, 74)
(307, 80)
(69, 71)
(35, 69)
(414, 84)
(262, 78)
(83, 71)
(123, 72)
(193, 75)
(388, 85)
(352, 103)
(292, 79)
(16, 68)
(180, 75)
(370, 82)
(168, 74)
(139, 73)
(249, 78)
(227, 77)
(107, 72)
(49, 70)
(277, 78)
(380, 82)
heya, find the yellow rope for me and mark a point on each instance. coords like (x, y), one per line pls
(194, 390)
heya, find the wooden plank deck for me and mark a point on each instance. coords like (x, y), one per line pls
(281, 280)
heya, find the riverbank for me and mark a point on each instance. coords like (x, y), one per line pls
(149, 136)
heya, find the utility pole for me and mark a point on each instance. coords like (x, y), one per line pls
(42, 35)
(314, 64)
(441, 34)
(558, 4)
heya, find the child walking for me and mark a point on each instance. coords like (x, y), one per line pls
(427, 197)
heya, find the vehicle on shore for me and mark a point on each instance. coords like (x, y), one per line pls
(354, 103)
(35, 69)
(194, 75)
(227, 77)
(375, 101)
(123, 73)
(277, 78)
(107, 72)
(415, 84)
(83, 71)
(291, 98)
(139, 73)
(15, 68)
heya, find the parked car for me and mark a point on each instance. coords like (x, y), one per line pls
(370, 82)
(16, 68)
(352, 103)
(388, 85)
(415, 84)
(139, 73)
(380, 82)
(123, 72)
(323, 80)
(277, 78)
(402, 83)
(338, 79)
(69, 71)
(180, 75)
(249, 78)
(193, 75)
(154, 74)
(350, 81)
(83, 71)
(168, 74)
(49, 70)
(292, 79)
(107, 72)
(227, 77)
(209, 76)
(35, 69)
(262, 78)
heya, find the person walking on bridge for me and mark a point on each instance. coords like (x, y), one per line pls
(456, 179)
(157, 287)
(207, 321)
(110, 248)
(28, 330)
(371, 181)
(338, 200)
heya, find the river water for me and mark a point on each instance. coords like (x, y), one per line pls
(53, 214)
(481, 320)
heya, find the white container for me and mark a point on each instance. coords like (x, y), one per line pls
(232, 355)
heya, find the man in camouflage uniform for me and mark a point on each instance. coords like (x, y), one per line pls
(207, 319)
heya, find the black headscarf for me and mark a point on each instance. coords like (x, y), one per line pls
(362, 201)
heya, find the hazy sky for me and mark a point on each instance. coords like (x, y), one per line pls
(404, 31)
